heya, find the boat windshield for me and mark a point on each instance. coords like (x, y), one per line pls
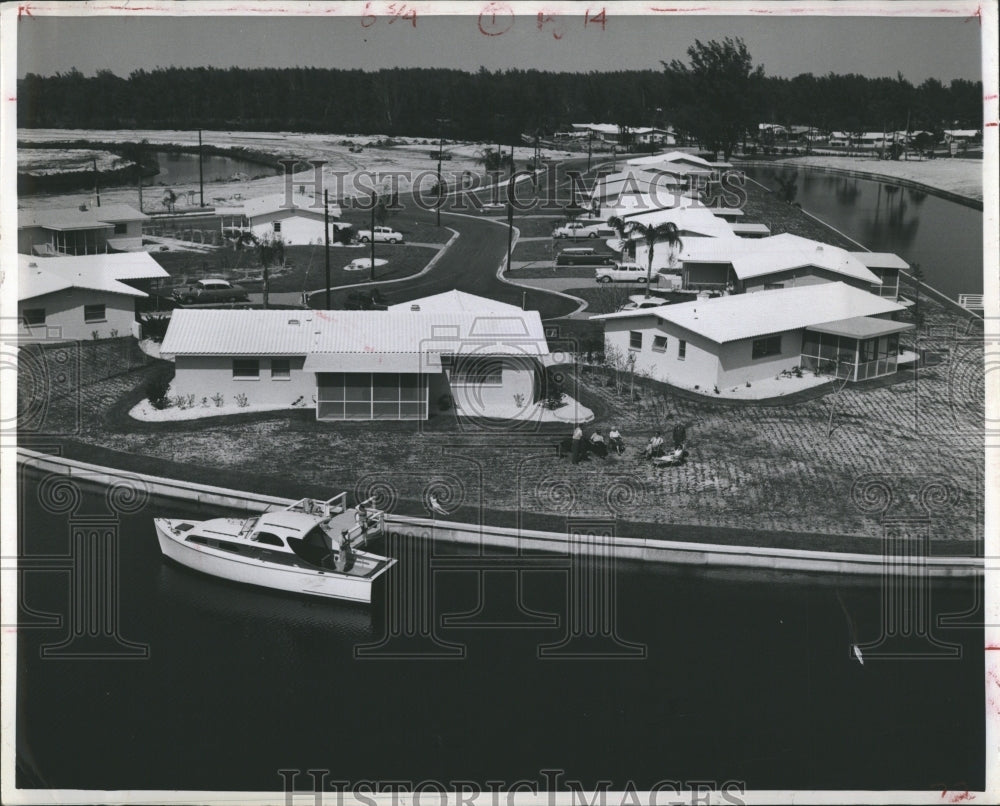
(313, 547)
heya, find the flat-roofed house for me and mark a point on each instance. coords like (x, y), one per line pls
(82, 297)
(80, 230)
(479, 359)
(728, 341)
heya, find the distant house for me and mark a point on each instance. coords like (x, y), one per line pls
(82, 230)
(783, 261)
(450, 352)
(729, 341)
(961, 135)
(272, 218)
(692, 223)
(82, 297)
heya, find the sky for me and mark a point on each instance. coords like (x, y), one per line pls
(941, 47)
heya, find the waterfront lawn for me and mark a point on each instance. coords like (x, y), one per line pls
(771, 471)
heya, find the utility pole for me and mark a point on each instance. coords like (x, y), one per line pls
(510, 219)
(440, 199)
(326, 241)
(371, 268)
(97, 186)
(201, 173)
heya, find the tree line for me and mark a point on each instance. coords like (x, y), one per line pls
(491, 106)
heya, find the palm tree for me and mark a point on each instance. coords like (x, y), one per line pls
(651, 234)
(620, 226)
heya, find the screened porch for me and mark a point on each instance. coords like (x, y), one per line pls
(857, 349)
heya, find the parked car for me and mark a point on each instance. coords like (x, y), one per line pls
(583, 229)
(623, 272)
(382, 235)
(637, 302)
(210, 290)
(583, 256)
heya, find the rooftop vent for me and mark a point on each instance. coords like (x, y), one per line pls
(294, 322)
(83, 208)
(414, 307)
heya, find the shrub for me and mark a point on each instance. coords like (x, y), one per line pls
(242, 401)
(156, 392)
(218, 398)
(204, 402)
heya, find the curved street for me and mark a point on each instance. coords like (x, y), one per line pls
(471, 263)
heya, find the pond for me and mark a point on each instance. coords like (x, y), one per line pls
(182, 169)
(944, 237)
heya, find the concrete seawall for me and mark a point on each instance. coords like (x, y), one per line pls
(643, 549)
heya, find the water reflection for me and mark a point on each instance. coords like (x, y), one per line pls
(887, 218)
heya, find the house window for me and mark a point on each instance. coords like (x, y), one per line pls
(246, 368)
(659, 344)
(370, 396)
(281, 369)
(94, 313)
(33, 316)
(682, 347)
(773, 286)
(770, 345)
(635, 339)
(478, 372)
(121, 229)
(277, 226)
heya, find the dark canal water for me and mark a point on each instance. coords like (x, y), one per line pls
(945, 238)
(178, 169)
(745, 677)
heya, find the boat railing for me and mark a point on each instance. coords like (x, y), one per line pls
(315, 506)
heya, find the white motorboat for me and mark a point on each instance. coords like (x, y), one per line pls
(313, 547)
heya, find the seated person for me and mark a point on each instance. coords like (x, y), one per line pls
(655, 446)
(598, 445)
(615, 438)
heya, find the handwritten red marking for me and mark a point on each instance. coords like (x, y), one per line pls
(12, 98)
(958, 797)
(496, 19)
(367, 18)
(990, 97)
(994, 123)
(992, 647)
(544, 18)
(600, 18)
(25, 9)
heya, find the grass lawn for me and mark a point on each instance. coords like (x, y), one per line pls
(412, 231)
(535, 227)
(308, 265)
(770, 471)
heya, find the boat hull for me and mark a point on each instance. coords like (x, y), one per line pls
(251, 571)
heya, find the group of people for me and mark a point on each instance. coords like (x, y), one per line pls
(655, 449)
(596, 443)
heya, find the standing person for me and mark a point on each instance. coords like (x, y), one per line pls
(679, 435)
(345, 557)
(361, 516)
(577, 443)
(617, 443)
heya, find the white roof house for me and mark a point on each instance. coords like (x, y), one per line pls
(271, 217)
(743, 316)
(350, 361)
(82, 297)
(689, 220)
(79, 230)
(756, 257)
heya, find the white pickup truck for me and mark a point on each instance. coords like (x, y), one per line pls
(382, 235)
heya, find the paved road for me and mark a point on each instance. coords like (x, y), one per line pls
(470, 265)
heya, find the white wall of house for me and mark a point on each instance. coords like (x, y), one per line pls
(699, 365)
(737, 365)
(705, 364)
(66, 310)
(204, 376)
(296, 230)
(515, 391)
(804, 275)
